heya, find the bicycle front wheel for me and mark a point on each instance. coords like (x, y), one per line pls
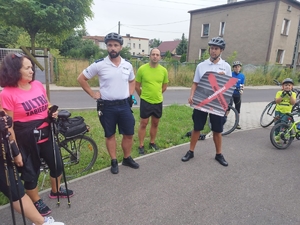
(79, 154)
(268, 114)
(231, 122)
(281, 136)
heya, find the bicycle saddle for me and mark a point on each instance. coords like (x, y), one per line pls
(64, 114)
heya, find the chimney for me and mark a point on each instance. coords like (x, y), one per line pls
(231, 1)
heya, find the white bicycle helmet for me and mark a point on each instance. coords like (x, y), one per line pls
(236, 63)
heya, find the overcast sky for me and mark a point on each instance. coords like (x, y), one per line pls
(161, 19)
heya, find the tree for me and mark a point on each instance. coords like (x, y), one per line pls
(55, 17)
(74, 41)
(182, 47)
(154, 43)
(183, 58)
(125, 53)
(168, 55)
(9, 36)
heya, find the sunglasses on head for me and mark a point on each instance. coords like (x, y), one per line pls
(19, 55)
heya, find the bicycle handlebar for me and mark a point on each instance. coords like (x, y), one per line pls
(277, 82)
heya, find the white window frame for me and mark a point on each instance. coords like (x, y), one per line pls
(201, 52)
(285, 27)
(222, 29)
(281, 56)
(133, 45)
(202, 32)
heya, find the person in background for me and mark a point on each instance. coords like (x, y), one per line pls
(239, 89)
(25, 100)
(214, 64)
(114, 101)
(151, 82)
(285, 99)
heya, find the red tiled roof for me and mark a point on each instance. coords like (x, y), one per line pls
(97, 38)
(168, 46)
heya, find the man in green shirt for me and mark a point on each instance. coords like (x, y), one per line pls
(151, 82)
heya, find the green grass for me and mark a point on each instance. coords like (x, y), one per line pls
(174, 124)
(67, 71)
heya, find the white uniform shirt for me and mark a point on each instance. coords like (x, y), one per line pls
(113, 80)
(208, 65)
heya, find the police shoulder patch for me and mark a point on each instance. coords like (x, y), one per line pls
(99, 60)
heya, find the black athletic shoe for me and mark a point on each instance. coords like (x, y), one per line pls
(153, 146)
(188, 156)
(220, 158)
(114, 166)
(130, 162)
(42, 208)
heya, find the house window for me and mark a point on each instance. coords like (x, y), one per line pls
(298, 60)
(280, 55)
(222, 29)
(128, 45)
(285, 27)
(133, 53)
(139, 46)
(205, 30)
(201, 53)
(133, 45)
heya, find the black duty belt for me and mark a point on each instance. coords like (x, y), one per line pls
(115, 102)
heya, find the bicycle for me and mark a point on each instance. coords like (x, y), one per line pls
(282, 134)
(231, 122)
(268, 115)
(79, 152)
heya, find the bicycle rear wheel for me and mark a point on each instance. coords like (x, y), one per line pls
(281, 137)
(231, 122)
(268, 114)
(79, 154)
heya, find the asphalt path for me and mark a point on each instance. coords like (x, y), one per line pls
(259, 187)
(77, 99)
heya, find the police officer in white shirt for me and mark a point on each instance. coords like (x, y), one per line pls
(215, 64)
(117, 84)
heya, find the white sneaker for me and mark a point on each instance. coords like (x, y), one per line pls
(50, 220)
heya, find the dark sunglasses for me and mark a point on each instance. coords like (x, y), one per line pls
(19, 55)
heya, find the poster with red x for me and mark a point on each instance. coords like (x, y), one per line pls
(213, 93)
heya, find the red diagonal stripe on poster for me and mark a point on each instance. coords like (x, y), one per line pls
(218, 92)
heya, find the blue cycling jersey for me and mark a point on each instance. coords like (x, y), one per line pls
(241, 80)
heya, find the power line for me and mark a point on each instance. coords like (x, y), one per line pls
(109, 29)
(186, 3)
(157, 24)
(154, 30)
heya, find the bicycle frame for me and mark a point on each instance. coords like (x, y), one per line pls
(292, 131)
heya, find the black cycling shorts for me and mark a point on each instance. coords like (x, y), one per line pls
(147, 109)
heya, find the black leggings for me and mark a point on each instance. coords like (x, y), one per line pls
(46, 152)
(237, 102)
(3, 183)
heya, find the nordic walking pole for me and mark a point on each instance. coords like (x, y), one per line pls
(13, 149)
(51, 111)
(7, 176)
(13, 152)
(54, 131)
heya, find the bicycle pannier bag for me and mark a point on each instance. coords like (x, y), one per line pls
(72, 126)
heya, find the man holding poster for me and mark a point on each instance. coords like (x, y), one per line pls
(207, 89)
